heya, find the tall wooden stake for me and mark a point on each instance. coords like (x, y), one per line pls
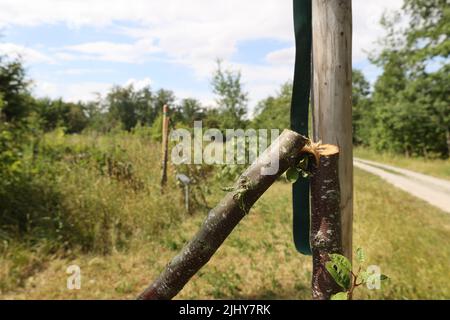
(165, 141)
(332, 51)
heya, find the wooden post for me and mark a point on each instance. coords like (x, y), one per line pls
(325, 220)
(332, 52)
(225, 216)
(165, 141)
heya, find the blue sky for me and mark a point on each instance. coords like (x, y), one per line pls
(75, 48)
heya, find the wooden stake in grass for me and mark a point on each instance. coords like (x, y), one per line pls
(225, 216)
(165, 142)
(332, 113)
(326, 231)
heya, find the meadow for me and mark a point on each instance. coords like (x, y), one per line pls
(95, 201)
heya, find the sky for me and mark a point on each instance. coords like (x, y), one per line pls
(76, 48)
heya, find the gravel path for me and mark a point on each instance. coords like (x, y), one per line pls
(433, 190)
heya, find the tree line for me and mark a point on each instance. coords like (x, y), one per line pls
(406, 110)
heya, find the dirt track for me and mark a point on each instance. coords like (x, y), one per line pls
(433, 190)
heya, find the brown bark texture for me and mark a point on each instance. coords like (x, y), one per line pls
(326, 231)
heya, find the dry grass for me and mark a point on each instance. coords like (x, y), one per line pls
(406, 237)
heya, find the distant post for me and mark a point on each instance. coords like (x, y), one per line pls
(165, 142)
(332, 114)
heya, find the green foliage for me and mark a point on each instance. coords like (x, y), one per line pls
(232, 100)
(361, 107)
(188, 111)
(292, 175)
(340, 268)
(340, 296)
(128, 107)
(156, 129)
(360, 256)
(57, 113)
(14, 90)
(122, 104)
(229, 172)
(199, 190)
(429, 24)
(302, 169)
(76, 193)
(273, 112)
(408, 112)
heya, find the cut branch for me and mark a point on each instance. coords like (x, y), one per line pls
(326, 235)
(226, 215)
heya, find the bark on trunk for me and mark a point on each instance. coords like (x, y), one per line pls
(225, 216)
(326, 235)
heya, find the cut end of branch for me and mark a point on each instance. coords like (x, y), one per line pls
(327, 149)
(317, 149)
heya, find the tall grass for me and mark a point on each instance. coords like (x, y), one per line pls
(111, 219)
(84, 193)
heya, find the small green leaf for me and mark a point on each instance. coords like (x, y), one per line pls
(384, 277)
(340, 268)
(340, 296)
(292, 175)
(341, 260)
(360, 255)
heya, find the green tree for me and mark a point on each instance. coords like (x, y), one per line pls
(428, 33)
(410, 111)
(121, 103)
(74, 117)
(231, 98)
(428, 41)
(14, 90)
(361, 107)
(128, 106)
(273, 112)
(188, 111)
(57, 113)
(163, 97)
(146, 112)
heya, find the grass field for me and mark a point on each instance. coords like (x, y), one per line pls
(407, 238)
(435, 167)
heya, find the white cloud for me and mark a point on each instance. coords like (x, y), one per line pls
(27, 54)
(283, 56)
(139, 84)
(205, 97)
(115, 52)
(191, 34)
(82, 71)
(366, 26)
(202, 30)
(83, 91)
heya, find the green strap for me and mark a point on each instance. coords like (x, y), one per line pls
(299, 118)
